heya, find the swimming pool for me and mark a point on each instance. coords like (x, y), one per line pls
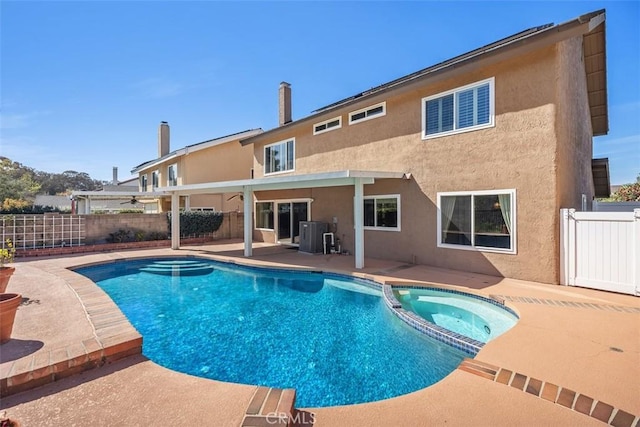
(328, 336)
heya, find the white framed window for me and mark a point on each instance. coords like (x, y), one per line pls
(382, 212)
(372, 112)
(279, 157)
(463, 109)
(327, 125)
(264, 215)
(143, 182)
(478, 220)
(172, 175)
(155, 179)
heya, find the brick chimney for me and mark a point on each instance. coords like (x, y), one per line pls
(285, 103)
(163, 139)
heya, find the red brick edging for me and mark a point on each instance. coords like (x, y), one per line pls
(552, 393)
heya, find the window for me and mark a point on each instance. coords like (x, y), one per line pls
(279, 157)
(335, 123)
(368, 113)
(467, 108)
(264, 215)
(479, 219)
(143, 182)
(155, 180)
(382, 212)
(172, 175)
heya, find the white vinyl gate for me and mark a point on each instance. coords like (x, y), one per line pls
(600, 250)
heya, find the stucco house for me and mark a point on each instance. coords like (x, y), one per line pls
(462, 165)
(218, 159)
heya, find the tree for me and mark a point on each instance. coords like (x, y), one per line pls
(63, 183)
(628, 192)
(17, 181)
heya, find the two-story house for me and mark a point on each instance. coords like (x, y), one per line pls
(462, 165)
(218, 159)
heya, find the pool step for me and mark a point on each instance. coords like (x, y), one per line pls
(178, 268)
(271, 406)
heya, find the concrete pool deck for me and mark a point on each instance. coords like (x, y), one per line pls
(573, 351)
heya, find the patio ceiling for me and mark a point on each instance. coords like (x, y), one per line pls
(289, 182)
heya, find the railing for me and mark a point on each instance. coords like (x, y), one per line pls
(42, 231)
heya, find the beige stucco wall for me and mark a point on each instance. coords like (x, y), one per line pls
(98, 227)
(224, 162)
(573, 127)
(522, 152)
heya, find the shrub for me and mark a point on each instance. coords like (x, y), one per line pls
(628, 193)
(197, 223)
(156, 235)
(120, 236)
(130, 211)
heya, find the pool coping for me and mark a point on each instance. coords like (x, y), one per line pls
(113, 338)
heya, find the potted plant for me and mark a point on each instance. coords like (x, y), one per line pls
(8, 307)
(6, 257)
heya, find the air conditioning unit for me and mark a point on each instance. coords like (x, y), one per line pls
(311, 236)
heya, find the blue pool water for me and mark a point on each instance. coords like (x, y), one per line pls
(329, 337)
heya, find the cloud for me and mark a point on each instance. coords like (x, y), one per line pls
(156, 88)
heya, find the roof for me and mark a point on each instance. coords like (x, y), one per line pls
(196, 147)
(601, 182)
(590, 26)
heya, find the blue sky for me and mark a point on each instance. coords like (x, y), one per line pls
(85, 84)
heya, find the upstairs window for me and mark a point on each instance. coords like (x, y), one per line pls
(463, 109)
(382, 212)
(155, 180)
(335, 123)
(172, 175)
(368, 113)
(143, 182)
(279, 157)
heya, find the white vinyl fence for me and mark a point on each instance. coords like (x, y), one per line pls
(42, 231)
(600, 250)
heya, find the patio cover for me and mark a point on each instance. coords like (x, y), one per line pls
(141, 196)
(247, 186)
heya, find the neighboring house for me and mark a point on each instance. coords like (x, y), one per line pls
(462, 165)
(112, 198)
(218, 159)
(59, 202)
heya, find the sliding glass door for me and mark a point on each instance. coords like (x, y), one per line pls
(289, 216)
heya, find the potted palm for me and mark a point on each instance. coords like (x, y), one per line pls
(6, 257)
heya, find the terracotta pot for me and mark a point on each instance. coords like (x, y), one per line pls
(5, 275)
(8, 306)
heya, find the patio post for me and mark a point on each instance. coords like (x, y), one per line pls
(358, 220)
(247, 196)
(175, 220)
